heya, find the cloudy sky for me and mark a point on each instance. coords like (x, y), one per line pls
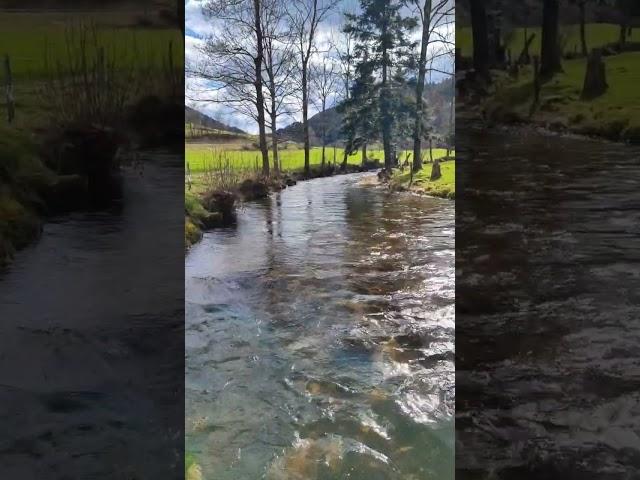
(197, 28)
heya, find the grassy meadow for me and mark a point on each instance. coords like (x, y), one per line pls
(36, 41)
(444, 187)
(614, 115)
(202, 157)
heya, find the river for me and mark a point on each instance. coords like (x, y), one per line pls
(547, 306)
(320, 337)
(91, 327)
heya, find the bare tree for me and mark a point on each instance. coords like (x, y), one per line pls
(324, 81)
(279, 69)
(305, 17)
(434, 17)
(343, 45)
(232, 62)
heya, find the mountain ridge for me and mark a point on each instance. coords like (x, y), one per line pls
(191, 115)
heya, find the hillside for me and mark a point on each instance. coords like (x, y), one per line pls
(437, 97)
(331, 118)
(199, 119)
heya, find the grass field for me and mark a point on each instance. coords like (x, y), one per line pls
(615, 114)
(598, 34)
(444, 187)
(202, 157)
(30, 38)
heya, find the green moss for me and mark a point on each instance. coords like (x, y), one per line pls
(192, 470)
(193, 206)
(192, 233)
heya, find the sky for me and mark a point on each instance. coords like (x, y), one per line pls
(197, 28)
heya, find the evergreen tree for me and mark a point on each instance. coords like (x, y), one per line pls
(360, 114)
(381, 27)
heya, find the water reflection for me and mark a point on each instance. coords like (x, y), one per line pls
(546, 279)
(104, 287)
(320, 337)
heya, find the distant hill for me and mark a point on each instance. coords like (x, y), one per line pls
(199, 119)
(331, 118)
(437, 96)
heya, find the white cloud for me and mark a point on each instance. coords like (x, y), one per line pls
(195, 21)
(198, 27)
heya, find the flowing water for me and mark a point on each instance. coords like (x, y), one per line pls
(105, 287)
(320, 337)
(548, 300)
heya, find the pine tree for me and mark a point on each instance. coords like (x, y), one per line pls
(360, 114)
(383, 30)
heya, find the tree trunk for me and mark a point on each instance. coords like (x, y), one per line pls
(422, 70)
(305, 114)
(595, 80)
(480, 38)
(550, 52)
(435, 170)
(583, 33)
(262, 132)
(385, 114)
(623, 34)
(11, 105)
(431, 149)
(274, 142)
(452, 125)
(324, 130)
(536, 85)
(364, 153)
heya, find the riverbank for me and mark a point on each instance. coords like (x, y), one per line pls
(614, 116)
(421, 183)
(58, 154)
(213, 208)
(50, 170)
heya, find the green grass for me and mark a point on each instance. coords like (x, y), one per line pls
(200, 158)
(444, 187)
(615, 114)
(598, 34)
(29, 39)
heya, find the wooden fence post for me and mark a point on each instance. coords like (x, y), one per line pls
(11, 102)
